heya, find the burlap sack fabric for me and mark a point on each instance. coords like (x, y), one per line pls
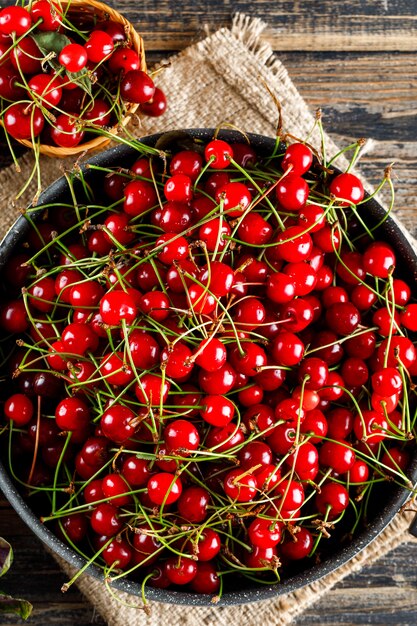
(221, 80)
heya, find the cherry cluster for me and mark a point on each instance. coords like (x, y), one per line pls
(64, 75)
(213, 365)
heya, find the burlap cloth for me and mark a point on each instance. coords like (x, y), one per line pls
(220, 80)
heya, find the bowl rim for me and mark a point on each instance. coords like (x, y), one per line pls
(397, 499)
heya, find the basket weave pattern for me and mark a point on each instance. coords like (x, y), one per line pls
(100, 12)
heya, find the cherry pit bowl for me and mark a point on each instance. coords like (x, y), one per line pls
(384, 507)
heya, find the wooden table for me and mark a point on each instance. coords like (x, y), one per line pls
(357, 61)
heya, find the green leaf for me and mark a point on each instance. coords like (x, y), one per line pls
(6, 556)
(50, 42)
(20, 607)
(82, 80)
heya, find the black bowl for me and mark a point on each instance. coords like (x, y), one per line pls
(390, 502)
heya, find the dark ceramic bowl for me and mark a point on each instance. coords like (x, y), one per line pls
(384, 508)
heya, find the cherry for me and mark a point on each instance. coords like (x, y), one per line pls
(304, 461)
(117, 305)
(9, 79)
(218, 154)
(208, 545)
(280, 288)
(156, 106)
(181, 437)
(152, 390)
(105, 520)
(292, 494)
(47, 89)
(332, 500)
(343, 318)
(379, 259)
(297, 158)
(287, 349)
(99, 46)
(136, 471)
(117, 423)
(174, 218)
(217, 410)
(347, 187)
(219, 277)
(73, 57)
(224, 439)
(206, 579)
(211, 354)
(292, 192)
(250, 396)
(74, 526)
(180, 571)
(337, 455)
(254, 229)
(171, 248)
(115, 488)
(265, 533)
(213, 234)
(359, 472)
(72, 414)
(192, 504)
(371, 426)
(164, 488)
(15, 19)
(217, 382)
(156, 305)
(235, 198)
(19, 409)
(50, 14)
(137, 86)
(98, 113)
(144, 349)
(66, 131)
(123, 60)
(299, 546)
(294, 245)
(23, 121)
(240, 485)
(118, 552)
(13, 317)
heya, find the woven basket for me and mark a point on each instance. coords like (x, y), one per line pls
(100, 12)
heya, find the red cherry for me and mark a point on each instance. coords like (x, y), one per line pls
(99, 46)
(298, 547)
(298, 158)
(50, 14)
(164, 488)
(181, 437)
(23, 121)
(66, 131)
(180, 571)
(240, 486)
(105, 520)
(265, 533)
(379, 259)
(347, 187)
(47, 89)
(137, 86)
(292, 192)
(156, 106)
(333, 499)
(73, 57)
(15, 19)
(19, 409)
(217, 410)
(117, 305)
(218, 154)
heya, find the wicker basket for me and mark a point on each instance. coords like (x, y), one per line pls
(100, 12)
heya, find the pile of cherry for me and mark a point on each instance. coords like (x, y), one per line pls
(62, 74)
(213, 364)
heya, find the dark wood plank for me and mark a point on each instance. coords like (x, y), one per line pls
(300, 25)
